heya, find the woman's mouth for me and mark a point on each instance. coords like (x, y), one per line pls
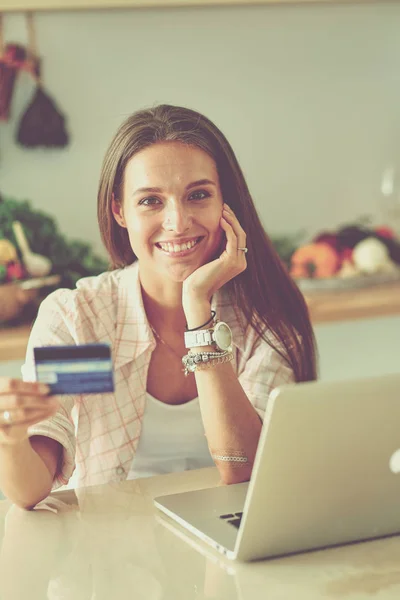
(178, 250)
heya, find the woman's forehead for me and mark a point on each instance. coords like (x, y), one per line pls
(170, 159)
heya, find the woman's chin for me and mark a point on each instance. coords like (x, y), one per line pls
(178, 273)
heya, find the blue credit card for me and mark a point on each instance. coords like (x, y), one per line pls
(85, 369)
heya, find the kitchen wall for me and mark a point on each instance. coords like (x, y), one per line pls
(308, 95)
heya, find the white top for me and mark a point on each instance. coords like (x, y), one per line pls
(172, 439)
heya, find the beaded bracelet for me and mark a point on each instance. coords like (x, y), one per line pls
(219, 360)
(198, 361)
(193, 359)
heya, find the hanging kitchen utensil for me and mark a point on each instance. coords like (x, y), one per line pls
(12, 59)
(35, 264)
(42, 123)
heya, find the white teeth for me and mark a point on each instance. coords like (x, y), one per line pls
(172, 248)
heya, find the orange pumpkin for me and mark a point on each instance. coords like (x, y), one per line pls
(317, 260)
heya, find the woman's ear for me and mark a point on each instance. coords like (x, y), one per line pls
(117, 211)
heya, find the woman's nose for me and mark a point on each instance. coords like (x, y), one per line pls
(178, 219)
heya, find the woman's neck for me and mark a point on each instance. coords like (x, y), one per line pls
(163, 305)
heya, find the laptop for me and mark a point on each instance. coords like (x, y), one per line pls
(326, 472)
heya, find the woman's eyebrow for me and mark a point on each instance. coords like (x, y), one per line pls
(200, 182)
(157, 190)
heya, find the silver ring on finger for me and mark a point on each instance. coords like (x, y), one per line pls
(7, 417)
(244, 250)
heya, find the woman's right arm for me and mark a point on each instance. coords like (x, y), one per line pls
(27, 465)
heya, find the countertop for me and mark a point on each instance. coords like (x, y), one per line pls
(345, 305)
(110, 542)
(340, 305)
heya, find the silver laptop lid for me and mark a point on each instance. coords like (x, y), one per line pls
(326, 469)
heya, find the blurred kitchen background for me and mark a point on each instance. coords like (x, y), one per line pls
(308, 94)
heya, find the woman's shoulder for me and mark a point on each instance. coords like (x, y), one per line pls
(88, 312)
(104, 284)
(89, 292)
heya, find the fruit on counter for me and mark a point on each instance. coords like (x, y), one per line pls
(318, 259)
(355, 250)
(348, 270)
(386, 232)
(350, 235)
(371, 255)
(332, 239)
(327, 237)
(393, 245)
(346, 255)
(15, 271)
(8, 252)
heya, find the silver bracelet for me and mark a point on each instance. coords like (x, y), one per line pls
(218, 360)
(235, 458)
(193, 360)
(223, 458)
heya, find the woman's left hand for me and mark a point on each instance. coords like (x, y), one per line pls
(207, 279)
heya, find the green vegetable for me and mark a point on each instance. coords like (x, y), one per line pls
(71, 259)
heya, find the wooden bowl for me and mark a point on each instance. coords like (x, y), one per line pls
(16, 295)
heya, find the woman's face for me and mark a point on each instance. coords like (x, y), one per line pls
(171, 208)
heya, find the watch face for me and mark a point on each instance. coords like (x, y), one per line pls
(223, 336)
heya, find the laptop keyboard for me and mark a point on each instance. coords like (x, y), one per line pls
(233, 518)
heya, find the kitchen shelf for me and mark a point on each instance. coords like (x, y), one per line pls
(39, 5)
(13, 341)
(325, 307)
(345, 305)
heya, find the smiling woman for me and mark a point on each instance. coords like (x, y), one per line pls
(174, 226)
(201, 316)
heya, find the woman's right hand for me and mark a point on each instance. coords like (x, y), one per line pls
(22, 404)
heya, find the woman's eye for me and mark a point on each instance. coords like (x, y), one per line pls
(199, 195)
(149, 201)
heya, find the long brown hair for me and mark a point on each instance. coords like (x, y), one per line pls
(265, 293)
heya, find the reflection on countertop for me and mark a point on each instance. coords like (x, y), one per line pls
(110, 542)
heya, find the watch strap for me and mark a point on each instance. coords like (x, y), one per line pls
(195, 339)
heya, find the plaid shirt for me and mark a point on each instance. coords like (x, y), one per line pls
(100, 432)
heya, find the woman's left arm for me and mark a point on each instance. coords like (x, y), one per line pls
(231, 422)
(232, 425)
(233, 404)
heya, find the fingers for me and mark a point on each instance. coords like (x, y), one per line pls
(231, 240)
(15, 401)
(18, 397)
(32, 417)
(22, 415)
(236, 238)
(14, 434)
(23, 404)
(237, 229)
(17, 386)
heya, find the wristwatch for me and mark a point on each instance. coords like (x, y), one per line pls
(220, 336)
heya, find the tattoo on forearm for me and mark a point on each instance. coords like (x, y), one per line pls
(235, 458)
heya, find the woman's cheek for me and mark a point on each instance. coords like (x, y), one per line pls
(219, 243)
